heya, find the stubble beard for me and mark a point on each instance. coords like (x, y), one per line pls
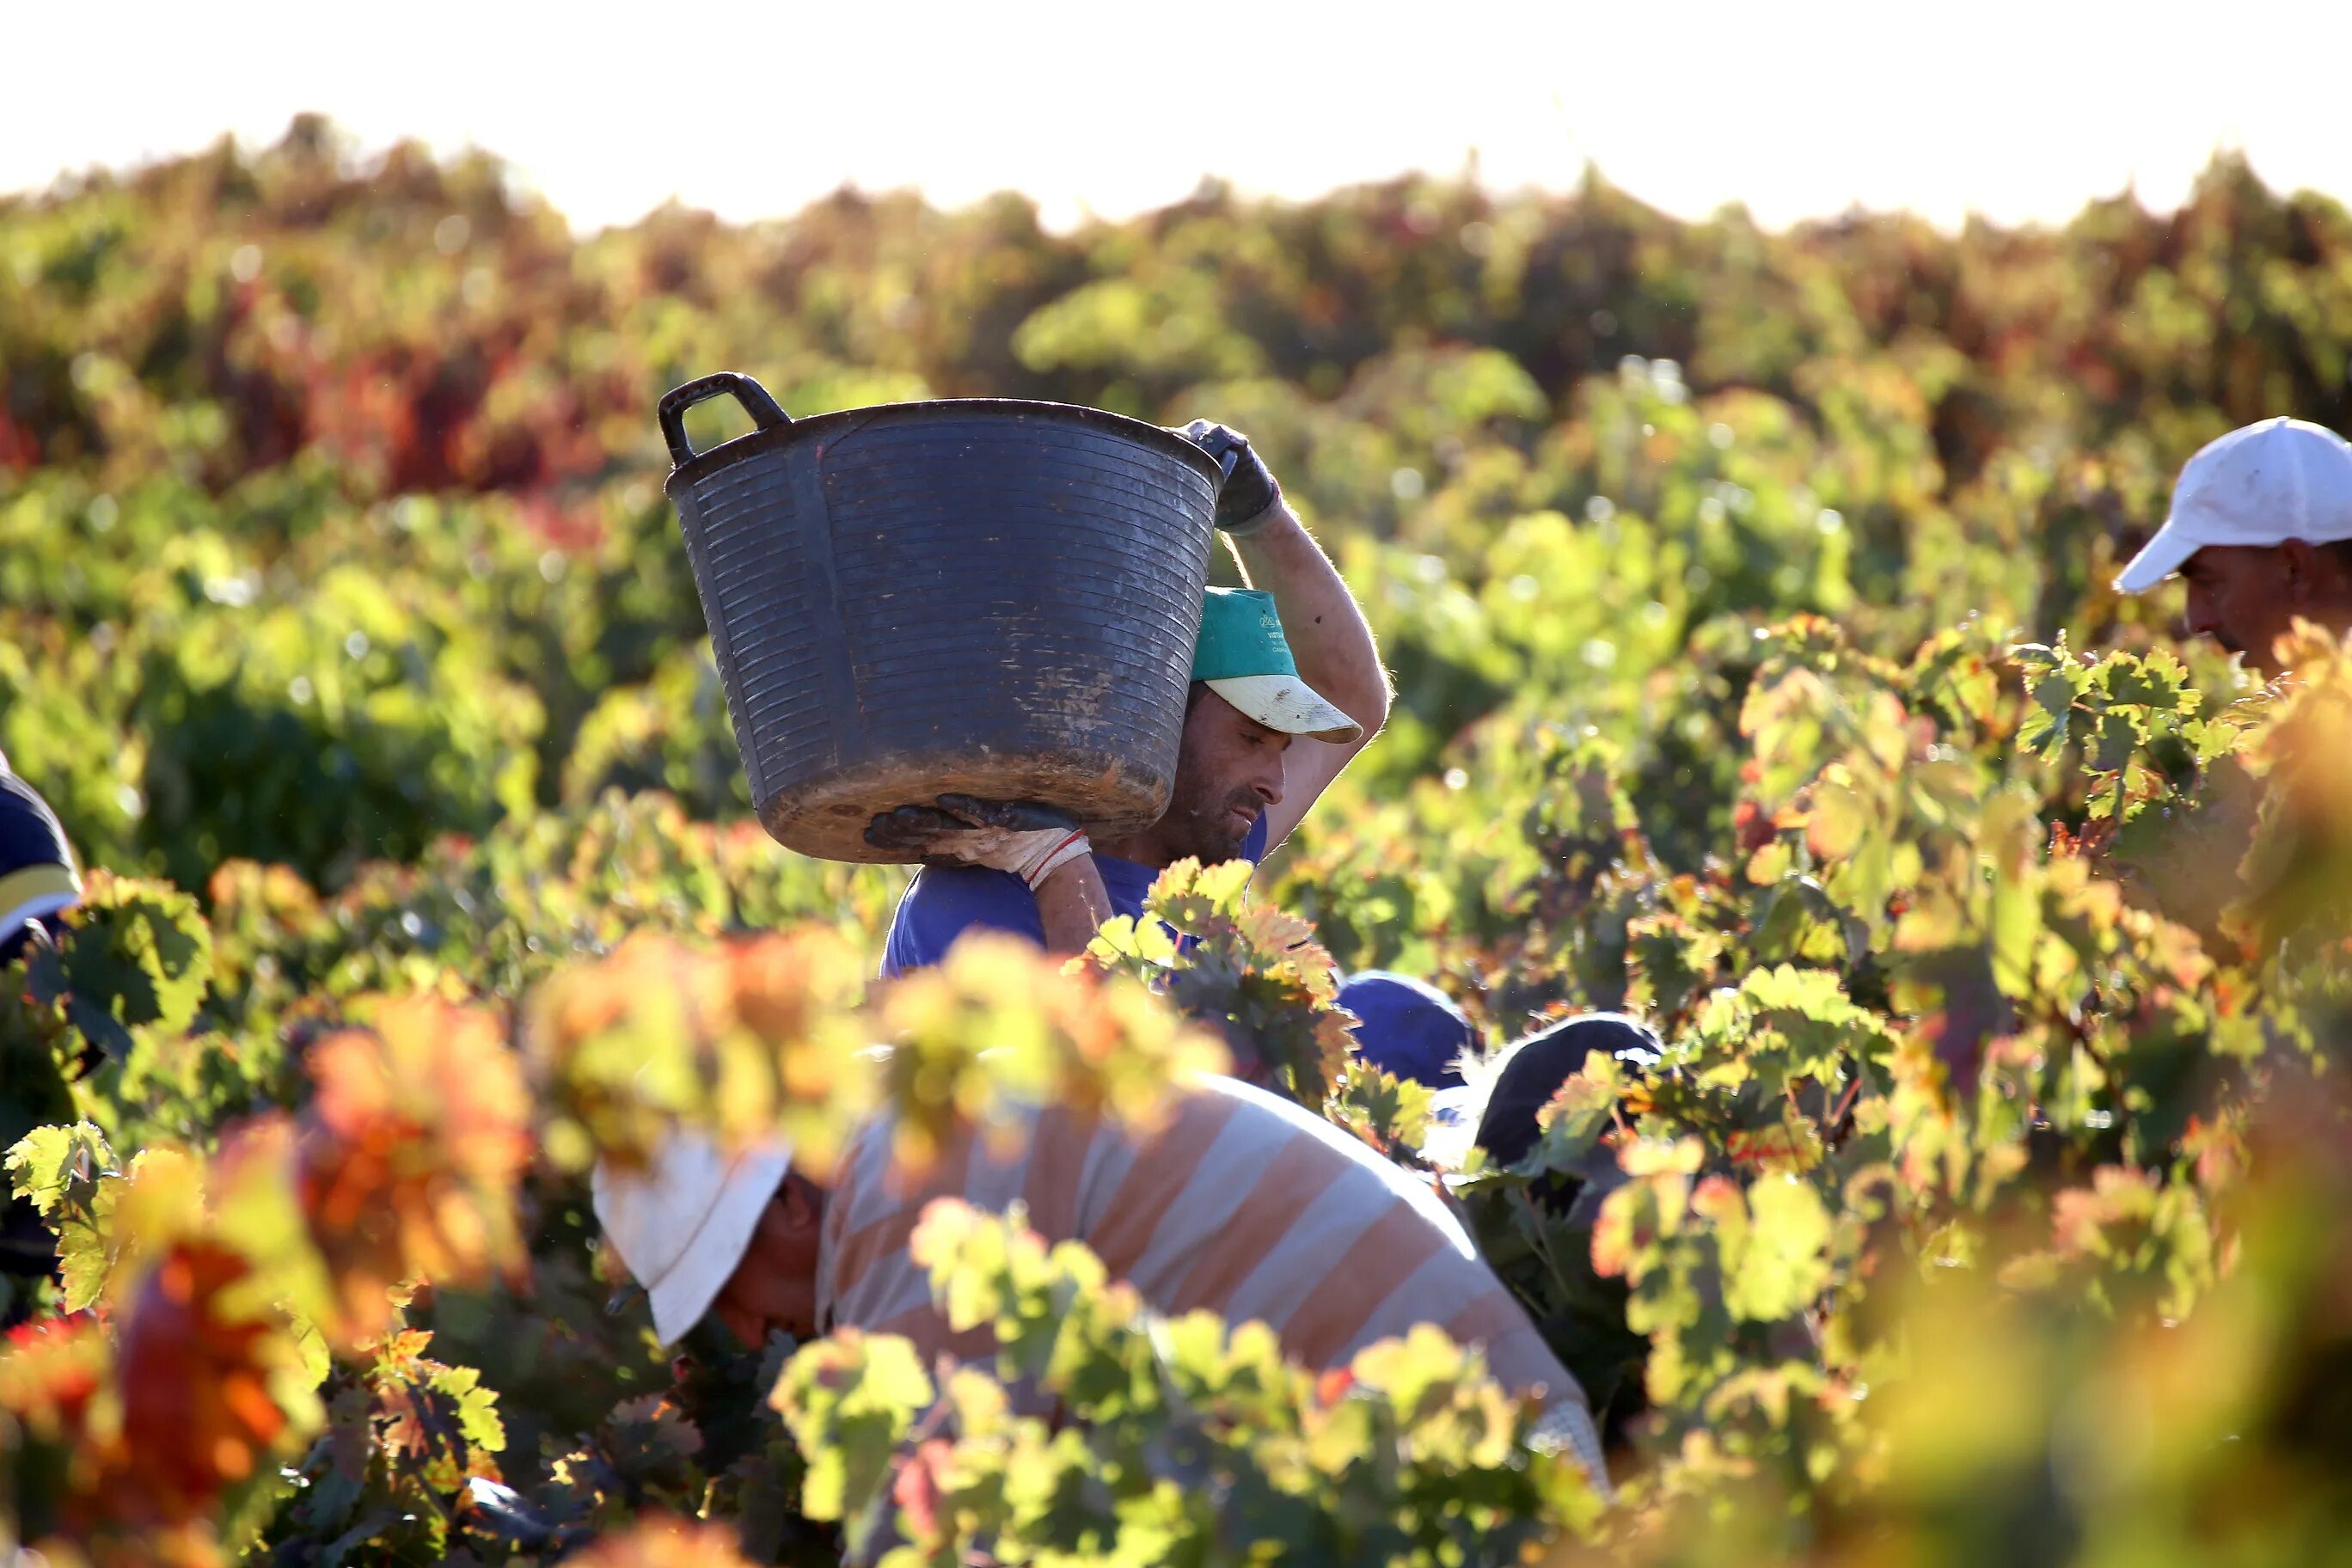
(1208, 832)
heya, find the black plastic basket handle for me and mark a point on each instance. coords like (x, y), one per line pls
(750, 393)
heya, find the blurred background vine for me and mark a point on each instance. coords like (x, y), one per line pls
(1747, 597)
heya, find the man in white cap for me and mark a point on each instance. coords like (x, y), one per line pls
(1240, 1203)
(1265, 732)
(2262, 530)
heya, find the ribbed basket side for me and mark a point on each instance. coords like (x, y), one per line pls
(1017, 585)
(944, 596)
(744, 548)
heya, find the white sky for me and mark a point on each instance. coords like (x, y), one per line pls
(1803, 107)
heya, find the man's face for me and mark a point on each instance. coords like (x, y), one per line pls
(775, 1286)
(1228, 771)
(2245, 597)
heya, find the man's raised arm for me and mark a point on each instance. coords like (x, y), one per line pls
(1320, 619)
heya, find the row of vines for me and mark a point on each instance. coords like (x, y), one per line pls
(1757, 675)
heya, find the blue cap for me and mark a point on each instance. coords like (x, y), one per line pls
(1409, 1028)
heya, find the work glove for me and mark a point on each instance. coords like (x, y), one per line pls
(1248, 497)
(1030, 840)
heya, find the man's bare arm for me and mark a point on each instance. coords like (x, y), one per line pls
(1333, 644)
(1073, 903)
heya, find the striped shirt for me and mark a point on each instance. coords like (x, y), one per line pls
(1241, 1204)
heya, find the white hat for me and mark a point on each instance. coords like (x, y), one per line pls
(2265, 484)
(1288, 704)
(682, 1225)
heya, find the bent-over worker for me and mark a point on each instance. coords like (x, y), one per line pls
(1286, 688)
(38, 879)
(1241, 1204)
(38, 884)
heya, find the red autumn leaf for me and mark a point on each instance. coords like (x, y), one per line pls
(197, 1413)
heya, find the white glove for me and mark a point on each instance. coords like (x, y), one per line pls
(1030, 840)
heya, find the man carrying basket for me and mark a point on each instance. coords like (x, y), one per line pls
(1286, 688)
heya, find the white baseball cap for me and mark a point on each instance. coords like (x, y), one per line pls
(682, 1225)
(2261, 485)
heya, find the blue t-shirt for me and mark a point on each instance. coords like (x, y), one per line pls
(943, 899)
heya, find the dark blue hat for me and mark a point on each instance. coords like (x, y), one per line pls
(1409, 1028)
(37, 870)
(1534, 1068)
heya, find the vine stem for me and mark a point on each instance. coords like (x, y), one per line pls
(1844, 1105)
(877, 1508)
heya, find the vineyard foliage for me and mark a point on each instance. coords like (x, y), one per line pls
(1757, 674)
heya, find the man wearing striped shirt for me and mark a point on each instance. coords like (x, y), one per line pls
(1239, 1203)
